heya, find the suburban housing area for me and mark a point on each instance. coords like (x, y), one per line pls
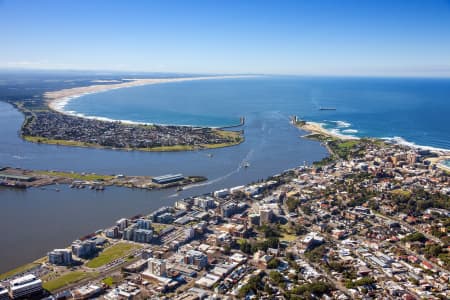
(372, 222)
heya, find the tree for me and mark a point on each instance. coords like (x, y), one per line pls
(276, 277)
(273, 263)
(292, 203)
(245, 247)
(227, 250)
(415, 237)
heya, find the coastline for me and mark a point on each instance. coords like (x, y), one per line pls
(317, 128)
(57, 100)
(439, 161)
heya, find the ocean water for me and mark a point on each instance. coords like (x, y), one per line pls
(406, 110)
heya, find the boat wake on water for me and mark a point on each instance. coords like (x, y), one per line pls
(241, 165)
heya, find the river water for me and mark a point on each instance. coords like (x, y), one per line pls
(36, 221)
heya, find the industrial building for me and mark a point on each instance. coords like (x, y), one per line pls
(4, 176)
(168, 178)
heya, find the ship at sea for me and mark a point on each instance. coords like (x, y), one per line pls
(327, 108)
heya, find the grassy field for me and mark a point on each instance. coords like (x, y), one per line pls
(228, 134)
(19, 270)
(287, 234)
(287, 237)
(112, 253)
(404, 193)
(110, 281)
(157, 228)
(67, 279)
(78, 176)
(43, 140)
(169, 148)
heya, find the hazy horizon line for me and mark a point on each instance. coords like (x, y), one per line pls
(106, 72)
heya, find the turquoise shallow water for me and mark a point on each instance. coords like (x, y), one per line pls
(408, 110)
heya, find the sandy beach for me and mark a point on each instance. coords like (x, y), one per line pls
(56, 100)
(317, 128)
(439, 161)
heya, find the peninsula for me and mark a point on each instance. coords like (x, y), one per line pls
(48, 123)
(21, 178)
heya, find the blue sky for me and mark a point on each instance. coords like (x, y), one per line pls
(334, 37)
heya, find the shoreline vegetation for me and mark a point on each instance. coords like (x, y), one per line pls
(170, 148)
(50, 124)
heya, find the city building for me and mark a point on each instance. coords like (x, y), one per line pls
(84, 249)
(204, 203)
(165, 218)
(87, 292)
(253, 219)
(3, 293)
(265, 215)
(221, 193)
(143, 236)
(122, 224)
(62, 257)
(112, 232)
(144, 224)
(197, 258)
(228, 209)
(156, 266)
(128, 233)
(312, 239)
(25, 286)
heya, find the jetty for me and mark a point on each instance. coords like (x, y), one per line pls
(241, 123)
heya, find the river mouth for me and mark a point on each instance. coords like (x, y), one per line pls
(364, 107)
(272, 145)
(398, 109)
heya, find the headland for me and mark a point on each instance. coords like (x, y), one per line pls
(336, 144)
